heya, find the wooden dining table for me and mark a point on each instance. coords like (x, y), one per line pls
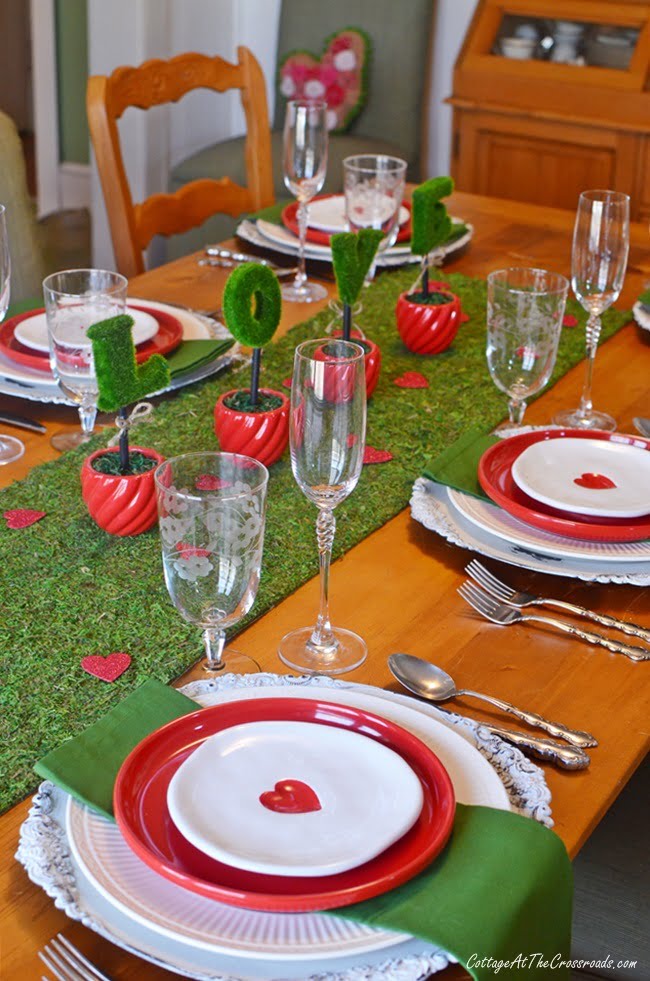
(397, 588)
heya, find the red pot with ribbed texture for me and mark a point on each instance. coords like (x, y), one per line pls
(262, 435)
(428, 329)
(372, 360)
(121, 505)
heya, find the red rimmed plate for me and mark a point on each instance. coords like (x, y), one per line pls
(495, 476)
(290, 221)
(169, 336)
(142, 815)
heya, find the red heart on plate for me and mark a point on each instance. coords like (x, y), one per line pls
(290, 797)
(594, 481)
(22, 517)
(372, 455)
(106, 668)
(411, 379)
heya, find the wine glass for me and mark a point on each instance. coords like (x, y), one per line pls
(525, 308)
(601, 242)
(327, 436)
(211, 509)
(305, 164)
(373, 184)
(75, 299)
(10, 448)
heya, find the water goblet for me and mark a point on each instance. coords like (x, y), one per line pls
(75, 299)
(525, 308)
(211, 509)
(373, 184)
(10, 448)
(601, 242)
(305, 165)
(327, 436)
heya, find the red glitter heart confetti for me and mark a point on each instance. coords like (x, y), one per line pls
(464, 317)
(373, 455)
(286, 382)
(352, 440)
(568, 320)
(22, 517)
(209, 481)
(411, 379)
(190, 552)
(106, 668)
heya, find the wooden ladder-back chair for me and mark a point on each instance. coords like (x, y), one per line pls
(154, 83)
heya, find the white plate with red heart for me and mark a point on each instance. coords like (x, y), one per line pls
(293, 798)
(595, 477)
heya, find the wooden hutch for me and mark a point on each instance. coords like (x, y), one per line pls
(552, 97)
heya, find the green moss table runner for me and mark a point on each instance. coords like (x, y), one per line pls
(68, 589)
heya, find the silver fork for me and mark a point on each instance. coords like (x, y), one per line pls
(519, 599)
(67, 963)
(492, 609)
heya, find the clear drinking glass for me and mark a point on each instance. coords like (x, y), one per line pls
(525, 308)
(327, 433)
(10, 448)
(601, 242)
(211, 509)
(373, 184)
(75, 299)
(305, 165)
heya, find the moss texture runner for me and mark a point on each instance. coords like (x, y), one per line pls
(68, 590)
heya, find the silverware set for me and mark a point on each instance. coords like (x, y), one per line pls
(67, 963)
(227, 259)
(498, 602)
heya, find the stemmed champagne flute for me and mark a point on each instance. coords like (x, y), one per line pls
(601, 241)
(305, 165)
(212, 510)
(373, 184)
(525, 308)
(10, 448)
(327, 433)
(75, 299)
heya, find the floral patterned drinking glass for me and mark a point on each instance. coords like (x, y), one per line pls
(211, 510)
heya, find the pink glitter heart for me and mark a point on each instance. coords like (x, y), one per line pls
(373, 455)
(106, 668)
(22, 517)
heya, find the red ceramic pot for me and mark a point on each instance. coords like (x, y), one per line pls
(428, 329)
(372, 359)
(121, 505)
(262, 435)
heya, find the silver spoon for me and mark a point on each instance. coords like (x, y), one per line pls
(430, 681)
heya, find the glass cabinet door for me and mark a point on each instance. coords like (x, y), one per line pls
(567, 42)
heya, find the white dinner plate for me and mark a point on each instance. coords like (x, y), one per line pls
(328, 214)
(599, 478)
(236, 798)
(32, 332)
(136, 890)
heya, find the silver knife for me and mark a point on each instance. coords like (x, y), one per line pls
(22, 422)
(567, 757)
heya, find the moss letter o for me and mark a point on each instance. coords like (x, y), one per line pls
(247, 285)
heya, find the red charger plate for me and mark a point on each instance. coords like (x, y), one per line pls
(495, 476)
(169, 336)
(290, 221)
(140, 801)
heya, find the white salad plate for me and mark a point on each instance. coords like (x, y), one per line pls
(328, 214)
(599, 478)
(234, 798)
(32, 332)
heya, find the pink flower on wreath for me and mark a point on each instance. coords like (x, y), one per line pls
(298, 72)
(334, 96)
(328, 74)
(340, 44)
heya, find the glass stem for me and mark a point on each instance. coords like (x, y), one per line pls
(323, 639)
(516, 409)
(301, 215)
(215, 641)
(593, 336)
(87, 415)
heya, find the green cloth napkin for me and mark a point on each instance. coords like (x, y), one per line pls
(190, 355)
(457, 465)
(499, 892)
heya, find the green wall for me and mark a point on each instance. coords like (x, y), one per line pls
(72, 69)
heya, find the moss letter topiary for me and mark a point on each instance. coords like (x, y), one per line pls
(352, 256)
(119, 379)
(248, 283)
(430, 222)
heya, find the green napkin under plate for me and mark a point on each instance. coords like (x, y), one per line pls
(500, 891)
(457, 465)
(190, 355)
